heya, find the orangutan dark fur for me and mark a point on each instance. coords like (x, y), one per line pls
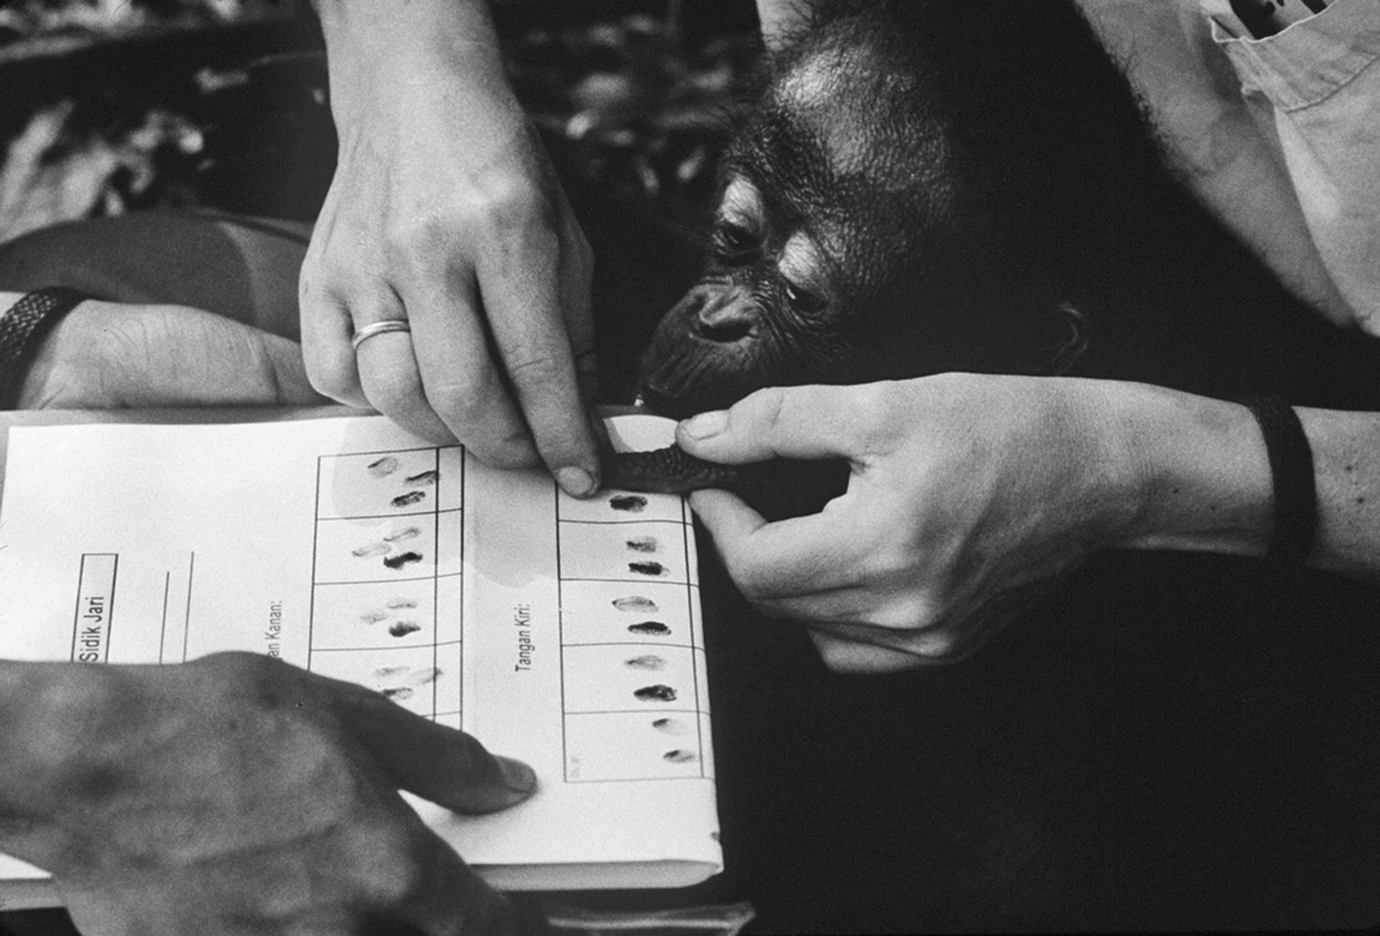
(928, 185)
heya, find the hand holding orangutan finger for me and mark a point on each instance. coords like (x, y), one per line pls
(967, 494)
(445, 214)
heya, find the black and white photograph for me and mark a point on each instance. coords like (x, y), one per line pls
(575, 467)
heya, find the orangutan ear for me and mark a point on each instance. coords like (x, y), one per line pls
(1067, 334)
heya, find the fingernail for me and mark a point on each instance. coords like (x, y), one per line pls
(576, 481)
(517, 776)
(705, 424)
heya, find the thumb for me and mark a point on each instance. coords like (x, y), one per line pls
(786, 422)
(440, 764)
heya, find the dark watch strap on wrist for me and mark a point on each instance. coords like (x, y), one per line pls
(25, 324)
(1291, 471)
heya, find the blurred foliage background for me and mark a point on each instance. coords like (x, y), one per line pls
(108, 106)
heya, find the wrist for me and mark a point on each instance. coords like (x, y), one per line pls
(399, 50)
(1202, 478)
(1346, 459)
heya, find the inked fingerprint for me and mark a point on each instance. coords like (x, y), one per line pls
(383, 672)
(402, 559)
(370, 550)
(403, 628)
(425, 477)
(678, 756)
(657, 693)
(643, 544)
(406, 533)
(408, 499)
(383, 467)
(373, 617)
(636, 604)
(649, 662)
(669, 725)
(647, 568)
(632, 503)
(396, 603)
(650, 627)
(397, 692)
(423, 676)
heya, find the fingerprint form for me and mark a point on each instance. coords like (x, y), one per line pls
(395, 603)
(370, 550)
(425, 477)
(405, 533)
(648, 662)
(397, 692)
(402, 559)
(657, 693)
(636, 604)
(648, 568)
(678, 756)
(383, 467)
(671, 726)
(643, 544)
(383, 672)
(628, 503)
(655, 628)
(373, 617)
(403, 628)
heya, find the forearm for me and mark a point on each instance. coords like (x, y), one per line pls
(423, 44)
(1204, 483)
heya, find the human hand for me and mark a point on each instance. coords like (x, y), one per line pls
(238, 794)
(110, 355)
(444, 212)
(967, 494)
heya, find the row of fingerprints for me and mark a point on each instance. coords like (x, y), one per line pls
(425, 612)
(429, 480)
(395, 549)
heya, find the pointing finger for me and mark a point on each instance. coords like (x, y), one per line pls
(525, 311)
(440, 764)
(460, 379)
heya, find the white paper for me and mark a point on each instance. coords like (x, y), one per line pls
(562, 632)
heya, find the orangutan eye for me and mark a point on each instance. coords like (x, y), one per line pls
(734, 243)
(801, 299)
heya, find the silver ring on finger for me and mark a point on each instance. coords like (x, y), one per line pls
(378, 328)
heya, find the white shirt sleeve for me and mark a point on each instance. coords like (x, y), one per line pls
(1321, 78)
